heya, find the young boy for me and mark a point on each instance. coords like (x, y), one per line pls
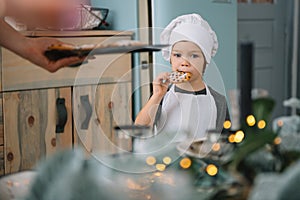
(189, 106)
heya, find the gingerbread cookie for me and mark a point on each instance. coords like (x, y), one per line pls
(179, 77)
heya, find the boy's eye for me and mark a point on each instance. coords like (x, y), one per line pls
(177, 55)
(195, 56)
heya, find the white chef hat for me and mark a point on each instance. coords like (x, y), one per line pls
(190, 27)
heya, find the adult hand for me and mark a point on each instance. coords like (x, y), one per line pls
(34, 49)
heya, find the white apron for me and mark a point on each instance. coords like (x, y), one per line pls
(187, 115)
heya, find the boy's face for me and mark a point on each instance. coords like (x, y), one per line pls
(187, 57)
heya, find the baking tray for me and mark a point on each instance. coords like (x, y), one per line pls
(57, 52)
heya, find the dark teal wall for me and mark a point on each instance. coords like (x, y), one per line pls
(123, 14)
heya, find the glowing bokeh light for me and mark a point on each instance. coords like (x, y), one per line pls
(239, 136)
(167, 160)
(157, 174)
(261, 124)
(185, 163)
(279, 123)
(216, 147)
(227, 124)
(160, 167)
(251, 120)
(231, 138)
(277, 141)
(150, 160)
(211, 170)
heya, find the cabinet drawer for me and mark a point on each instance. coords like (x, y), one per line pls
(20, 74)
(30, 128)
(109, 106)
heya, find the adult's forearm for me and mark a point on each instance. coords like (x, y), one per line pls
(10, 38)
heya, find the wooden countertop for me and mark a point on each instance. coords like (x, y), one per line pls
(20, 74)
(89, 33)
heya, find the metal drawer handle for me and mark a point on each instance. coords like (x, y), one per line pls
(88, 111)
(62, 115)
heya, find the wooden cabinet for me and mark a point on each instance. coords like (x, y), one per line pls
(44, 112)
(103, 106)
(30, 119)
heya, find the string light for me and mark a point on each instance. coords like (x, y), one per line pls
(211, 170)
(231, 138)
(261, 124)
(279, 123)
(277, 140)
(185, 163)
(251, 120)
(216, 147)
(227, 124)
(239, 136)
(167, 160)
(150, 160)
(160, 167)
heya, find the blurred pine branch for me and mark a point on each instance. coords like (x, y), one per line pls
(255, 138)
